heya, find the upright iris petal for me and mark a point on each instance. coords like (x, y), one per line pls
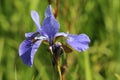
(35, 18)
(50, 25)
(49, 12)
(78, 42)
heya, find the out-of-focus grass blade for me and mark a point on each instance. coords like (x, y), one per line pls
(1, 47)
(87, 66)
(117, 76)
(1, 50)
(15, 73)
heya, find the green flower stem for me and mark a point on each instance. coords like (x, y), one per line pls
(59, 71)
(87, 66)
(59, 68)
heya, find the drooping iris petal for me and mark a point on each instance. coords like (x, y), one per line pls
(78, 42)
(28, 49)
(48, 12)
(35, 18)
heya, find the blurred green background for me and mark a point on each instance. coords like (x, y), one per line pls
(99, 19)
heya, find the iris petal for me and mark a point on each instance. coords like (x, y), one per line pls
(61, 34)
(48, 12)
(29, 47)
(78, 42)
(50, 26)
(31, 35)
(28, 34)
(27, 51)
(35, 18)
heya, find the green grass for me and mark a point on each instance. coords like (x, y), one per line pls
(99, 19)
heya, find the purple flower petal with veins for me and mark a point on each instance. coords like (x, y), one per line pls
(27, 51)
(28, 47)
(78, 42)
(50, 25)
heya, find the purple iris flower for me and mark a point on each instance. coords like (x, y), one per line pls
(48, 32)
